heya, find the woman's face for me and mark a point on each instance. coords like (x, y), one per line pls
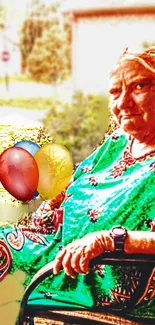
(132, 98)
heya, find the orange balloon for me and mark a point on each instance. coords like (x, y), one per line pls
(55, 166)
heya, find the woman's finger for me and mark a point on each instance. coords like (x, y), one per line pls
(84, 263)
(57, 263)
(66, 263)
(75, 260)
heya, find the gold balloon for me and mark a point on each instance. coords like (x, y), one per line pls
(55, 169)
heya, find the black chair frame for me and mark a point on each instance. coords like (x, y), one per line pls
(80, 316)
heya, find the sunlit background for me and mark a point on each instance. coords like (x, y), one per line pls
(97, 40)
(55, 59)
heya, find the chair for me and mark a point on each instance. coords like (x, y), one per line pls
(97, 315)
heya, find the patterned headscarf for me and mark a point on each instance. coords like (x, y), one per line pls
(146, 58)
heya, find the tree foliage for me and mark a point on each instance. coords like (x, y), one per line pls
(3, 15)
(46, 44)
(81, 125)
(147, 44)
(32, 28)
(48, 61)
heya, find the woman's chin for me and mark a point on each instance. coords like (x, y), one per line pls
(128, 125)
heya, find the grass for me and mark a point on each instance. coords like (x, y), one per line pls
(37, 103)
(22, 78)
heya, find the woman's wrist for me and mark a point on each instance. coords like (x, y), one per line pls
(136, 242)
(106, 241)
(140, 242)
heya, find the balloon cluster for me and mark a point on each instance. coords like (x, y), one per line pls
(27, 170)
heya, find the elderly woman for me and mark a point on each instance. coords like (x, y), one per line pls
(109, 206)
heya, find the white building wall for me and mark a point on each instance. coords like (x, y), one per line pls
(98, 42)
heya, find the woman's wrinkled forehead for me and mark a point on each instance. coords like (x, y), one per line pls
(146, 59)
(127, 70)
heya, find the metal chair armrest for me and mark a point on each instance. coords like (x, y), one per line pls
(104, 259)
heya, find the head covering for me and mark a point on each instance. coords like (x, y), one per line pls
(146, 58)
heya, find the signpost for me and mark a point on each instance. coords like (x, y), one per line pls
(5, 57)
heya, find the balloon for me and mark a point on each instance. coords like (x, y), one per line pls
(19, 173)
(30, 146)
(55, 169)
(35, 195)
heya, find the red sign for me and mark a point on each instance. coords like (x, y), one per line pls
(5, 56)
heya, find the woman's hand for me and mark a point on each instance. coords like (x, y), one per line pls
(75, 257)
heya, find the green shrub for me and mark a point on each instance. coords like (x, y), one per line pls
(10, 136)
(81, 125)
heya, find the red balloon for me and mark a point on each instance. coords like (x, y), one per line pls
(19, 173)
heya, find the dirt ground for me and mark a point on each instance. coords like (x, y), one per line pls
(39, 321)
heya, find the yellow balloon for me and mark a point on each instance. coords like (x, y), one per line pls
(55, 165)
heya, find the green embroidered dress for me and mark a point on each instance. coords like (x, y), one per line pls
(109, 188)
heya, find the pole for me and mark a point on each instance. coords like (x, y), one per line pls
(6, 77)
(5, 66)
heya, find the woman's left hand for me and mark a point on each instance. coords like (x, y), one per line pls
(75, 257)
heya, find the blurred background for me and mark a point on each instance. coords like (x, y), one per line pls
(55, 59)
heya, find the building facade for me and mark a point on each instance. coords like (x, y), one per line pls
(101, 31)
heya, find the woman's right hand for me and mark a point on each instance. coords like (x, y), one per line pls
(75, 257)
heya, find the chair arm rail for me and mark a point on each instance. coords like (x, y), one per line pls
(106, 258)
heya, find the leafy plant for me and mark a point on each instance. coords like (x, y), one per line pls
(9, 137)
(147, 44)
(49, 59)
(3, 15)
(81, 125)
(46, 44)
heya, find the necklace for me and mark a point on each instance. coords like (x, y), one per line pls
(129, 160)
(149, 152)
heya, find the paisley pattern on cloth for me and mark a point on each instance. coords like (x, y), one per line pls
(5, 260)
(109, 187)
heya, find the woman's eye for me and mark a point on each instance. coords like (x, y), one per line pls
(141, 85)
(115, 93)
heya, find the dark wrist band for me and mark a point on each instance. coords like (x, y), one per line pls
(119, 234)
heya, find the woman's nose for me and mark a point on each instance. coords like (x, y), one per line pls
(125, 101)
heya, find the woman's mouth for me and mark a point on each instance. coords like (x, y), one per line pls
(129, 116)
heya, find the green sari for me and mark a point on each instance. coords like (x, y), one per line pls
(109, 187)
